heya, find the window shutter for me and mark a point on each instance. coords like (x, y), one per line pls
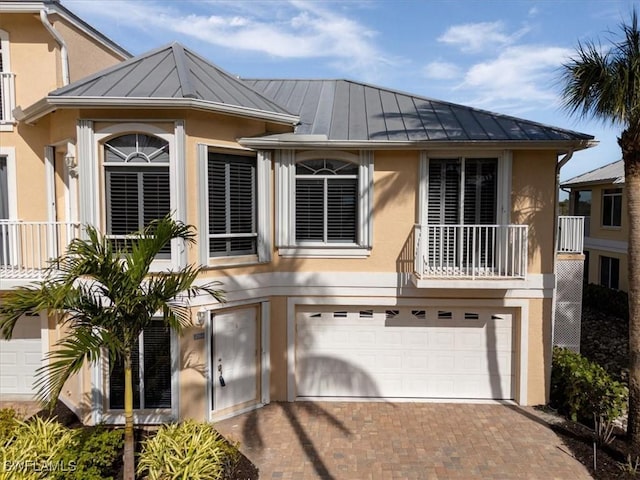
(309, 210)
(123, 207)
(156, 196)
(157, 366)
(232, 204)
(341, 210)
(444, 192)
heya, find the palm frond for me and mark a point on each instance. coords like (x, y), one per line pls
(69, 355)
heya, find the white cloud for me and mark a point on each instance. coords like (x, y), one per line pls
(287, 29)
(520, 76)
(441, 71)
(476, 37)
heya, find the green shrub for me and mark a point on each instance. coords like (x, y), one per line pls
(606, 300)
(8, 424)
(36, 446)
(187, 450)
(583, 390)
(95, 454)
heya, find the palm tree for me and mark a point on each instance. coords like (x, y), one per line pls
(604, 83)
(106, 296)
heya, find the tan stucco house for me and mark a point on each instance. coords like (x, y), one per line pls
(599, 196)
(372, 243)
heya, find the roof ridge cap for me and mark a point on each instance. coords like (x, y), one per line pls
(182, 70)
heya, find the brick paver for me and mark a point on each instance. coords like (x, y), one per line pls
(344, 440)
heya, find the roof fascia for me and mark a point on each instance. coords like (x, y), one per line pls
(50, 103)
(278, 143)
(593, 183)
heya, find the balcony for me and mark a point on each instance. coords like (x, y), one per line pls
(7, 98)
(570, 234)
(470, 252)
(27, 247)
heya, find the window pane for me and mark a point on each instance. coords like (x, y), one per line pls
(341, 210)
(309, 210)
(612, 207)
(232, 204)
(157, 366)
(156, 196)
(123, 207)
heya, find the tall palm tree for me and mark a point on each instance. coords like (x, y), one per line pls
(604, 83)
(106, 296)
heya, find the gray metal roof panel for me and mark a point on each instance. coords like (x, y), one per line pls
(610, 173)
(398, 116)
(156, 74)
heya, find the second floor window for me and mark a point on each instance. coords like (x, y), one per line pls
(232, 205)
(612, 207)
(326, 201)
(137, 184)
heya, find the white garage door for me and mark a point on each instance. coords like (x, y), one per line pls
(20, 357)
(405, 353)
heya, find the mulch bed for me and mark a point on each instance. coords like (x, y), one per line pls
(604, 340)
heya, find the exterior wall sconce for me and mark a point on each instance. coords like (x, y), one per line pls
(201, 317)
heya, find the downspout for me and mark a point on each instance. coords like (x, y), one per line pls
(64, 56)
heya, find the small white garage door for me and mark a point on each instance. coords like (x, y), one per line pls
(20, 357)
(404, 353)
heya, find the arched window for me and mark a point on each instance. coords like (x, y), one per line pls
(137, 183)
(326, 201)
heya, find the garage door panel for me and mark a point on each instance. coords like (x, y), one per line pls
(20, 357)
(343, 354)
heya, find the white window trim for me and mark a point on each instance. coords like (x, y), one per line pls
(503, 193)
(7, 79)
(263, 220)
(96, 206)
(150, 416)
(285, 206)
(12, 184)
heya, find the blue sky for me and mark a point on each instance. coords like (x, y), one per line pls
(503, 56)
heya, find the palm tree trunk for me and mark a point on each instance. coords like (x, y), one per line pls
(631, 156)
(128, 457)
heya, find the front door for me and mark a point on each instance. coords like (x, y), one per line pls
(234, 358)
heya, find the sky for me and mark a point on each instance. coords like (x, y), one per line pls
(502, 56)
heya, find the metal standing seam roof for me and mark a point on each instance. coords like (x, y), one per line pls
(352, 111)
(610, 173)
(169, 72)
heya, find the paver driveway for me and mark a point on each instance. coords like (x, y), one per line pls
(308, 440)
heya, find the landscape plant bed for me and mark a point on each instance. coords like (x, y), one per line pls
(578, 440)
(244, 468)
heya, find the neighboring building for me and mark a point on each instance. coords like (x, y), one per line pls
(599, 196)
(371, 243)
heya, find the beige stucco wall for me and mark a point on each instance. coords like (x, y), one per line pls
(532, 203)
(86, 55)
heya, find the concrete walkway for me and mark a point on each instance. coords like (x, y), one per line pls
(327, 440)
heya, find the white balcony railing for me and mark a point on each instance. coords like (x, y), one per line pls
(7, 97)
(27, 247)
(471, 251)
(570, 234)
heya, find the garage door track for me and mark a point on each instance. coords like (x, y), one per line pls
(344, 440)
